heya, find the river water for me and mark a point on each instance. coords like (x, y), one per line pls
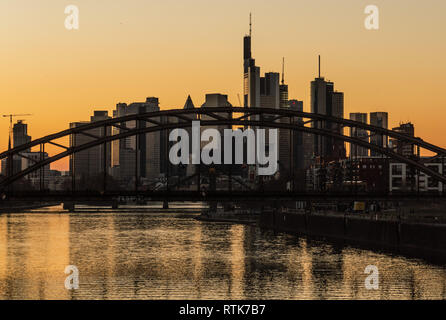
(136, 255)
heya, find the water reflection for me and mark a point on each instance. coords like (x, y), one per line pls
(129, 255)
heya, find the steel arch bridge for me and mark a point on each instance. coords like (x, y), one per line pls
(209, 116)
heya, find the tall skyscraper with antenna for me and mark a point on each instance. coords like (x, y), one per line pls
(259, 92)
(251, 75)
(285, 136)
(283, 88)
(326, 101)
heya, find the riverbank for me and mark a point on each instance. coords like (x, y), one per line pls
(17, 207)
(229, 219)
(423, 240)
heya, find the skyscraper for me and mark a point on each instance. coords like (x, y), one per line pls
(326, 101)
(264, 92)
(356, 151)
(270, 90)
(145, 146)
(89, 164)
(297, 144)
(403, 147)
(259, 91)
(27, 158)
(285, 135)
(379, 119)
(216, 100)
(190, 168)
(20, 134)
(251, 74)
(283, 88)
(338, 112)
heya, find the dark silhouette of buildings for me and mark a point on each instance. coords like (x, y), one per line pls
(356, 151)
(87, 165)
(379, 119)
(402, 147)
(325, 100)
(20, 134)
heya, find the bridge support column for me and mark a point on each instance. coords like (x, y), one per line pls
(165, 204)
(69, 206)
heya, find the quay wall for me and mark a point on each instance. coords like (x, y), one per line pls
(412, 239)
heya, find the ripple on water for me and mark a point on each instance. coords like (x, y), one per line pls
(154, 256)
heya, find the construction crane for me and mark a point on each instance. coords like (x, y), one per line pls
(10, 116)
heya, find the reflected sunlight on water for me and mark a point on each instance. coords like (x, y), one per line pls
(167, 256)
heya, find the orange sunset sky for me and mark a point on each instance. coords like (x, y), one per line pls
(127, 50)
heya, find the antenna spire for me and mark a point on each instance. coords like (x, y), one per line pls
(283, 70)
(250, 25)
(319, 66)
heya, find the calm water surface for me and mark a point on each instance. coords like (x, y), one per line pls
(130, 255)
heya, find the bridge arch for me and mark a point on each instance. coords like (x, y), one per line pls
(222, 116)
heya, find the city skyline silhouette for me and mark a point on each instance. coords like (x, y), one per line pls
(68, 74)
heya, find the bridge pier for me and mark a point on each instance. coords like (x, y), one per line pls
(165, 204)
(70, 206)
(228, 207)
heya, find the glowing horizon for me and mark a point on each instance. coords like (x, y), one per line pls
(125, 52)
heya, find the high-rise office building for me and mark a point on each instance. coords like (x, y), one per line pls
(357, 151)
(166, 168)
(285, 135)
(88, 164)
(146, 147)
(308, 147)
(216, 100)
(337, 109)
(27, 158)
(338, 112)
(259, 91)
(296, 105)
(20, 134)
(290, 141)
(264, 92)
(115, 149)
(19, 137)
(270, 98)
(251, 74)
(270, 90)
(326, 101)
(190, 168)
(297, 140)
(31, 158)
(283, 88)
(403, 147)
(379, 119)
